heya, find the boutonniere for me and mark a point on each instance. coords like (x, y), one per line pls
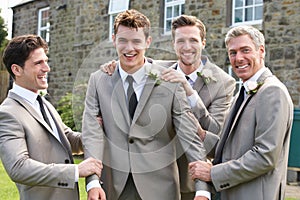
(206, 75)
(153, 74)
(43, 92)
(253, 86)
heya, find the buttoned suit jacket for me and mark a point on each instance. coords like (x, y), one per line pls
(255, 154)
(210, 110)
(145, 146)
(32, 156)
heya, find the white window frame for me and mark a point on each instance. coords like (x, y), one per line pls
(115, 7)
(42, 28)
(243, 8)
(172, 4)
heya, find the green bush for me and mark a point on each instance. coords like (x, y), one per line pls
(71, 106)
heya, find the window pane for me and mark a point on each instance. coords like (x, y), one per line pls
(176, 11)
(258, 1)
(249, 2)
(248, 14)
(182, 9)
(258, 12)
(169, 12)
(238, 3)
(169, 1)
(168, 25)
(238, 15)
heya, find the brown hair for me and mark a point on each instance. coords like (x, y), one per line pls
(188, 20)
(132, 19)
(19, 49)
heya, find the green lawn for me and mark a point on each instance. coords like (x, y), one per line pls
(9, 190)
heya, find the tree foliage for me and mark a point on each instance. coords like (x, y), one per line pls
(3, 32)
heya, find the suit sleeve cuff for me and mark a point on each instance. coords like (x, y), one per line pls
(93, 184)
(76, 173)
(193, 99)
(204, 194)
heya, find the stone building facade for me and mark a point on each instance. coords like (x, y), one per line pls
(79, 37)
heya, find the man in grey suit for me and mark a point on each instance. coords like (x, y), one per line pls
(138, 148)
(252, 154)
(36, 155)
(209, 89)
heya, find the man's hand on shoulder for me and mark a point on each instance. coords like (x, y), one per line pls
(109, 67)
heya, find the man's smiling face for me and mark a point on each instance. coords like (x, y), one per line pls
(131, 45)
(244, 57)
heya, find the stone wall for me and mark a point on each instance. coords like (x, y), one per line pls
(79, 37)
(282, 31)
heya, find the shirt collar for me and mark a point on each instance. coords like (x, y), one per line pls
(254, 78)
(24, 93)
(137, 76)
(193, 76)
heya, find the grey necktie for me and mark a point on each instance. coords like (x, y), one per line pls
(131, 96)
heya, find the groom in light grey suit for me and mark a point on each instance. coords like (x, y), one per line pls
(138, 152)
(252, 154)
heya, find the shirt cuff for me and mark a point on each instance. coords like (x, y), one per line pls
(193, 99)
(204, 194)
(76, 173)
(93, 184)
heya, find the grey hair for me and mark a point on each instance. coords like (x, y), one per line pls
(257, 37)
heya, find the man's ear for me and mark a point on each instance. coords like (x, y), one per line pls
(16, 69)
(148, 41)
(113, 37)
(204, 43)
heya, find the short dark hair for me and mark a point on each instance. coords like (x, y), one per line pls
(132, 19)
(188, 20)
(19, 49)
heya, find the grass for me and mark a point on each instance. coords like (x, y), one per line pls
(9, 190)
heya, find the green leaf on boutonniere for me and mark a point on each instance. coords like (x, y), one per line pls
(206, 75)
(253, 86)
(154, 74)
(43, 93)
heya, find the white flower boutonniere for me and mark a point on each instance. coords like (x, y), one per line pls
(153, 74)
(253, 86)
(207, 76)
(43, 92)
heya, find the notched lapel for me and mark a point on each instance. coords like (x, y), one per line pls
(149, 85)
(118, 95)
(30, 110)
(198, 85)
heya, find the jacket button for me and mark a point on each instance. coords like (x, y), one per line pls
(131, 141)
(67, 161)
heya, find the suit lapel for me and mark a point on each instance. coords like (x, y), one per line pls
(118, 96)
(198, 85)
(149, 85)
(267, 73)
(30, 109)
(63, 139)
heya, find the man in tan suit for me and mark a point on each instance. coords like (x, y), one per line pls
(139, 150)
(252, 154)
(36, 155)
(209, 89)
